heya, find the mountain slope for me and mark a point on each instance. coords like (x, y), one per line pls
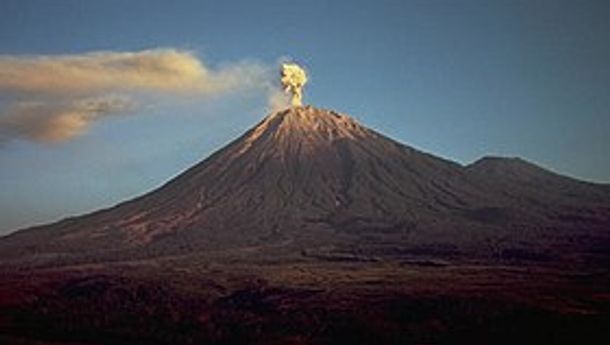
(312, 229)
(316, 182)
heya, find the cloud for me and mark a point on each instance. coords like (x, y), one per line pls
(164, 70)
(52, 122)
(55, 98)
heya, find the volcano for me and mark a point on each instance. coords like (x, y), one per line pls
(311, 193)
(318, 181)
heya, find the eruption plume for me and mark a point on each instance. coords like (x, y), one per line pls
(293, 80)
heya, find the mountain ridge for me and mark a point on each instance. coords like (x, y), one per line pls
(313, 177)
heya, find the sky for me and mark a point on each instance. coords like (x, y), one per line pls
(101, 101)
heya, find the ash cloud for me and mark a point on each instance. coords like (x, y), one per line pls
(58, 97)
(164, 70)
(58, 121)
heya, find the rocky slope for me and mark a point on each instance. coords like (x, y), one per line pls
(319, 183)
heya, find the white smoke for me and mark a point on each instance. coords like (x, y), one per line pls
(293, 78)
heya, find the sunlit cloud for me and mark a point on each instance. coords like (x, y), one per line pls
(58, 97)
(165, 70)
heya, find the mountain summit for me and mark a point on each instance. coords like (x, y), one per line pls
(307, 181)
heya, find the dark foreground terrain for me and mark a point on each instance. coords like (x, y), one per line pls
(192, 300)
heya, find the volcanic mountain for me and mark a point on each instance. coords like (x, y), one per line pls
(307, 181)
(312, 229)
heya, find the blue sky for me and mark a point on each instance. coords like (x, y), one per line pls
(460, 79)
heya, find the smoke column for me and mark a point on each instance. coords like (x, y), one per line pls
(293, 79)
